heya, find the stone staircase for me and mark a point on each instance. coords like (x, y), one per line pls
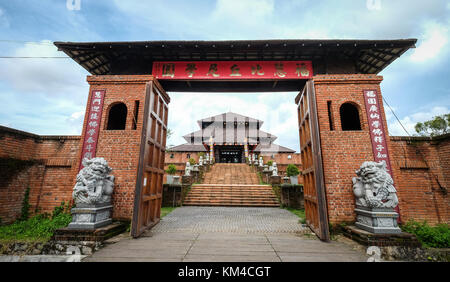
(231, 185)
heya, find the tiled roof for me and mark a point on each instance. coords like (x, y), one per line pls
(229, 117)
(272, 148)
(187, 148)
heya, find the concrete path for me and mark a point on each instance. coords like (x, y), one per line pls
(227, 234)
(42, 258)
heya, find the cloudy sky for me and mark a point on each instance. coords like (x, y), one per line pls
(48, 96)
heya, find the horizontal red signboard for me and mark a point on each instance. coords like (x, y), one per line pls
(233, 70)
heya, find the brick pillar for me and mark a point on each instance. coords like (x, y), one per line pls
(343, 152)
(119, 147)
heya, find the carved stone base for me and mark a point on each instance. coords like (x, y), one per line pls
(378, 221)
(275, 179)
(186, 179)
(90, 217)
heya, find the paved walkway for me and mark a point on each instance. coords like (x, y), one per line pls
(227, 234)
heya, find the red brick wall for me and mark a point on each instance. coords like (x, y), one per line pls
(17, 144)
(58, 154)
(43, 163)
(343, 152)
(421, 164)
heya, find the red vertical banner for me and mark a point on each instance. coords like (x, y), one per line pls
(377, 133)
(376, 128)
(93, 125)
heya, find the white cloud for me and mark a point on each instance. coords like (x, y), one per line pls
(435, 38)
(395, 129)
(45, 96)
(51, 76)
(3, 20)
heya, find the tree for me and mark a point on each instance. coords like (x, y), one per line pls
(171, 169)
(292, 170)
(439, 125)
(168, 135)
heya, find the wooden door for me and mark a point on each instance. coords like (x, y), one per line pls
(313, 180)
(149, 183)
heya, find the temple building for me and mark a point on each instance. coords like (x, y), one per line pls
(231, 138)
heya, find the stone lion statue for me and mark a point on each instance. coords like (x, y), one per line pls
(188, 169)
(374, 187)
(94, 185)
(274, 169)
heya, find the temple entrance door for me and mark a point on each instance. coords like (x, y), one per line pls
(311, 155)
(149, 183)
(230, 154)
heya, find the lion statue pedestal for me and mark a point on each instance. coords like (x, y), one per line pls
(376, 199)
(92, 195)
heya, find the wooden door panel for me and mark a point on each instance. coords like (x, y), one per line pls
(148, 194)
(313, 181)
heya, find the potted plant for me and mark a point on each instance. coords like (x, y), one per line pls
(171, 170)
(192, 161)
(269, 162)
(292, 172)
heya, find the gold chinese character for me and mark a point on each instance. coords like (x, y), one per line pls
(190, 69)
(168, 70)
(257, 70)
(279, 70)
(235, 70)
(302, 70)
(212, 70)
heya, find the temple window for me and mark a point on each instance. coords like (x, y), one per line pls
(117, 117)
(349, 117)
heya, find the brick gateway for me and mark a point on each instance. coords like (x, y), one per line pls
(134, 78)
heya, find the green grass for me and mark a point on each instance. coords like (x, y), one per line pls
(260, 177)
(36, 228)
(299, 213)
(430, 236)
(166, 210)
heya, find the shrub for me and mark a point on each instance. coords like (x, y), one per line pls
(62, 208)
(192, 161)
(292, 170)
(430, 236)
(171, 169)
(38, 227)
(270, 162)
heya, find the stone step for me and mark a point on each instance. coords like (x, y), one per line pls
(236, 201)
(231, 204)
(246, 199)
(236, 194)
(231, 185)
(271, 198)
(237, 188)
